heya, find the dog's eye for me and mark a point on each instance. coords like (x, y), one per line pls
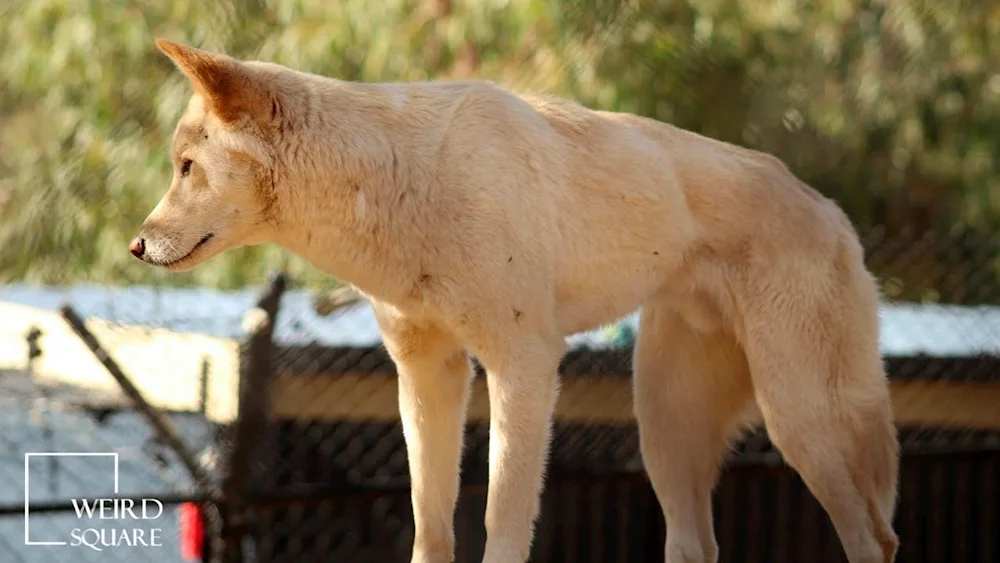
(185, 168)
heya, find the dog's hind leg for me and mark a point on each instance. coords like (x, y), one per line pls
(822, 390)
(690, 387)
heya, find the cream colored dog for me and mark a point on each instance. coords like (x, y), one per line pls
(479, 221)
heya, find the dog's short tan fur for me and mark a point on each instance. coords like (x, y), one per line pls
(479, 221)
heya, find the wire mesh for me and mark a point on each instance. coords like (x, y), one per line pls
(330, 479)
(335, 448)
(70, 438)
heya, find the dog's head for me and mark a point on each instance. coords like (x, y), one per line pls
(222, 193)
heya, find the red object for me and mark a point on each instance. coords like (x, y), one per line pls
(192, 524)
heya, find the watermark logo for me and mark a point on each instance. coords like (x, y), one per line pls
(104, 523)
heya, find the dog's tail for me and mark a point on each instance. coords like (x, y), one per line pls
(875, 471)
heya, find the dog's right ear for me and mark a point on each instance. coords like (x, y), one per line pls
(229, 89)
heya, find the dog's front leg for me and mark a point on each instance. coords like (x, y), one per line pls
(432, 403)
(434, 378)
(523, 390)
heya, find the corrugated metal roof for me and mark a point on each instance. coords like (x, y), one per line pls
(907, 329)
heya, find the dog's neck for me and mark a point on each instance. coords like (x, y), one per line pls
(341, 194)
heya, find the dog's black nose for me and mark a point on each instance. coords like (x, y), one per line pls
(138, 247)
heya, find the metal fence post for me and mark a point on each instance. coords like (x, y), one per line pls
(252, 413)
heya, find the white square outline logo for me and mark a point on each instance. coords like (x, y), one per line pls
(27, 478)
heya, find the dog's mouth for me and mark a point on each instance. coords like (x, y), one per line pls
(175, 262)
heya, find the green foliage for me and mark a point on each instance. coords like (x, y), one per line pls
(888, 107)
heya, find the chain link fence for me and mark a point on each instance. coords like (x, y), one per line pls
(334, 451)
(86, 476)
(291, 413)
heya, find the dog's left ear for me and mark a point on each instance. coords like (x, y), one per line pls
(228, 86)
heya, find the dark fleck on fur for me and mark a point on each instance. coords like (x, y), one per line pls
(395, 167)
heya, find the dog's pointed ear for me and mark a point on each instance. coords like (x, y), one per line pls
(229, 88)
